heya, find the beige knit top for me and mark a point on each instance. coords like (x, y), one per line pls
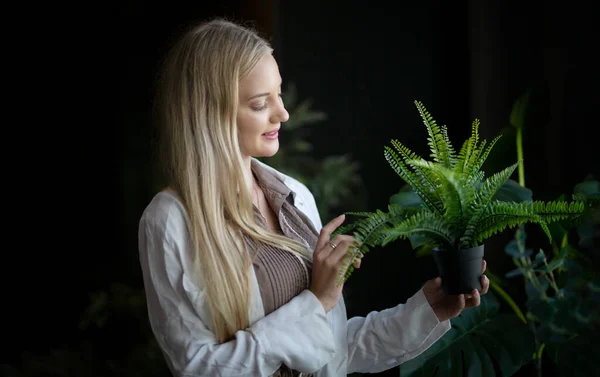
(280, 274)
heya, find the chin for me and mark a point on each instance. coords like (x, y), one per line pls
(269, 153)
(268, 150)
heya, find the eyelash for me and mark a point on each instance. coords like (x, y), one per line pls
(265, 105)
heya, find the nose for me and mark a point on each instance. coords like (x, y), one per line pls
(280, 115)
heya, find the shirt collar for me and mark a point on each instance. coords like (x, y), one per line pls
(270, 180)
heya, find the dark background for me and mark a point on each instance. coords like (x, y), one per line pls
(363, 65)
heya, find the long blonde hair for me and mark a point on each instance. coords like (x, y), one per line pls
(197, 102)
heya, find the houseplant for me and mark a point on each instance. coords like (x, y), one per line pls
(457, 209)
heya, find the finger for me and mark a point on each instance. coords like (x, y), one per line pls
(485, 284)
(342, 249)
(339, 240)
(326, 231)
(433, 285)
(335, 249)
(474, 301)
(483, 266)
(462, 301)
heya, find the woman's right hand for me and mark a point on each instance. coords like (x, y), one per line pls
(328, 261)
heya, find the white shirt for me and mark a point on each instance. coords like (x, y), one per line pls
(300, 334)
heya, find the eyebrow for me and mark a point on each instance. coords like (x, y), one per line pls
(262, 94)
(258, 95)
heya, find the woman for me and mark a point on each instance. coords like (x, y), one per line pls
(239, 273)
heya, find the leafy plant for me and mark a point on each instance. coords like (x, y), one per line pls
(560, 317)
(457, 207)
(481, 343)
(562, 284)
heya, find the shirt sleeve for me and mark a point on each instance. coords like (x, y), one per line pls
(297, 334)
(382, 340)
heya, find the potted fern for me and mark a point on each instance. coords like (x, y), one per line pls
(458, 210)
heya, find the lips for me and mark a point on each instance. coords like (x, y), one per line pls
(275, 131)
(273, 135)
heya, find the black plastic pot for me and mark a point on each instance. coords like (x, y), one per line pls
(460, 270)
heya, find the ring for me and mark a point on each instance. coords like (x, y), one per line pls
(333, 246)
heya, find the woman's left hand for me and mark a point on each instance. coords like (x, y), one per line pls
(449, 306)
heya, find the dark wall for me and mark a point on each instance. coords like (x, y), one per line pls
(363, 65)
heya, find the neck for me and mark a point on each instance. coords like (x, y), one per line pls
(248, 164)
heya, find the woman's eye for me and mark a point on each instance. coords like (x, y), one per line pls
(259, 108)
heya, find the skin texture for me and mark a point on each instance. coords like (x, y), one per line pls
(261, 110)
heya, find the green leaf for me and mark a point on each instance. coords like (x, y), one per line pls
(424, 223)
(519, 111)
(551, 266)
(587, 188)
(513, 273)
(440, 148)
(407, 199)
(512, 191)
(479, 339)
(430, 198)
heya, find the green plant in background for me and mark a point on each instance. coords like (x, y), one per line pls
(482, 342)
(485, 342)
(562, 287)
(562, 308)
(333, 179)
(457, 207)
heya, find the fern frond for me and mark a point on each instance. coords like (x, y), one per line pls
(359, 214)
(453, 193)
(488, 189)
(409, 177)
(469, 147)
(345, 229)
(482, 156)
(439, 148)
(369, 232)
(451, 151)
(499, 216)
(476, 180)
(426, 178)
(482, 199)
(428, 224)
(558, 210)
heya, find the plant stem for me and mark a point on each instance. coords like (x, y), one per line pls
(550, 277)
(509, 300)
(520, 156)
(534, 281)
(538, 355)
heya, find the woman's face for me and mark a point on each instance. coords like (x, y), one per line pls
(261, 110)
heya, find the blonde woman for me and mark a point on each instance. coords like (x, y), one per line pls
(240, 274)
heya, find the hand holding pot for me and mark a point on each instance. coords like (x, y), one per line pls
(449, 306)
